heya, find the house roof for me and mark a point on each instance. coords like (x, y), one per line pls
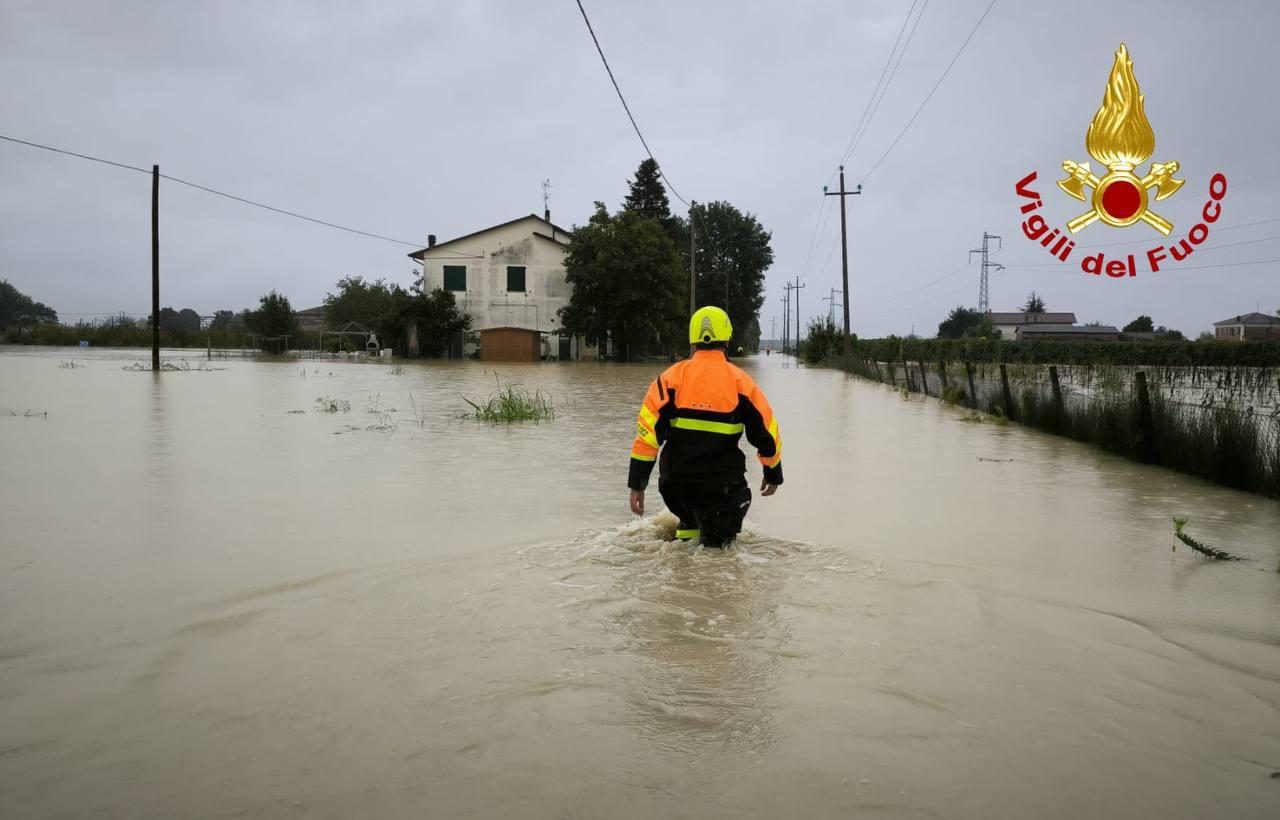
(420, 254)
(315, 311)
(1250, 319)
(1070, 329)
(1020, 318)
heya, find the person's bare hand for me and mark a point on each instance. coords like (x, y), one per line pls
(767, 489)
(637, 502)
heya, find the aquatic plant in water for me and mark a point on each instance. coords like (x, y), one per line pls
(328, 405)
(419, 411)
(1203, 549)
(512, 403)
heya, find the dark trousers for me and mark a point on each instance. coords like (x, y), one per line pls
(717, 509)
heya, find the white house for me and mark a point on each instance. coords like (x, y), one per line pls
(508, 276)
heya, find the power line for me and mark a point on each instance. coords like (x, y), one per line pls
(1175, 267)
(858, 128)
(1147, 241)
(216, 192)
(665, 180)
(1206, 248)
(856, 139)
(74, 154)
(945, 72)
(626, 107)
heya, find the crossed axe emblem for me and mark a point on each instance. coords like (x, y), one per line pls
(1160, 177)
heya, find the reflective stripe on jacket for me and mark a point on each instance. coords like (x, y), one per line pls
(695, 413)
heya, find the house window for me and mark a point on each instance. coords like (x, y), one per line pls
(515, 278)
(455, 277)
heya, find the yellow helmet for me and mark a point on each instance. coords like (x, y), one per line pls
(709, 324)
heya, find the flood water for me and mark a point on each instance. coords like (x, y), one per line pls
(211, 606)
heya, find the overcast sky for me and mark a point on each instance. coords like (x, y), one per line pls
(410, 118)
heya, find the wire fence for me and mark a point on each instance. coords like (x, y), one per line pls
(1219, 423)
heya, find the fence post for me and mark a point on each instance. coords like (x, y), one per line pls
(906, 372)
(942, 372)
(1004, 390)
(893, 372)
(1146, 437)
(973, 394)
(1057, 398)
(876, 365)
(924, 378)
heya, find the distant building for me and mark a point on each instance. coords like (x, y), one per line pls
(1247, 327)
(311, 320)
(1008, 323)
(508, 277)
(1105, 333)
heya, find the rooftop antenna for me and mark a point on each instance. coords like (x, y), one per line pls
(546, 199)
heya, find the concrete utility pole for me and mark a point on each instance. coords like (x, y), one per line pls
(831, 305)
(773, 329)
(693, 268)
(984, 296)
(786, 316)
(844, 249)
(797, 287)
(155, 268)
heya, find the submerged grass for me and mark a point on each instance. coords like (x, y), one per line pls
(1204, 549)
(512, 403)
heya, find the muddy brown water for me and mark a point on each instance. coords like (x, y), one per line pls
(211, 606)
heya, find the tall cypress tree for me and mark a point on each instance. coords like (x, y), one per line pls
(648, 196)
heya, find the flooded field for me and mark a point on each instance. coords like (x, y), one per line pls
(212, 605)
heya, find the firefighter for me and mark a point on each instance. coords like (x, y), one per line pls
(696, 412)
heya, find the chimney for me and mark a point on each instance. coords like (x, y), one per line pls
(431, 240)
(547, 214)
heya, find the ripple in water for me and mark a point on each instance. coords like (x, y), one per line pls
(693, 639)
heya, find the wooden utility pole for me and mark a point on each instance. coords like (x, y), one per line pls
(693, 255)
(844, 249)
(155, 268)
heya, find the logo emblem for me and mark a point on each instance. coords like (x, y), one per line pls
(1120, 137)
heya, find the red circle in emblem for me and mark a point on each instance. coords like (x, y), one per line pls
(1121, 199)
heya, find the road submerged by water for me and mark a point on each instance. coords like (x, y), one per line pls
(212, 605)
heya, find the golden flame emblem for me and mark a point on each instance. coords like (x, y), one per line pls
(1120, 137)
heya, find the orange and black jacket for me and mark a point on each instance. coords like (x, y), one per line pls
(696, 412)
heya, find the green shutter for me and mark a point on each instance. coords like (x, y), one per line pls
(515, 278)
(455, 277)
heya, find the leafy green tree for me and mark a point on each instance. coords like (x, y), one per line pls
(734, 252)
(274, 317)
(436, 316)
(959, 322)
(1142, 324)
(185, 319)
(985, 329)
(626, 276)
(222, 318)
(372, 304)
(18, 309)
(1168, 334)
(823, 341)
(1035, 304)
